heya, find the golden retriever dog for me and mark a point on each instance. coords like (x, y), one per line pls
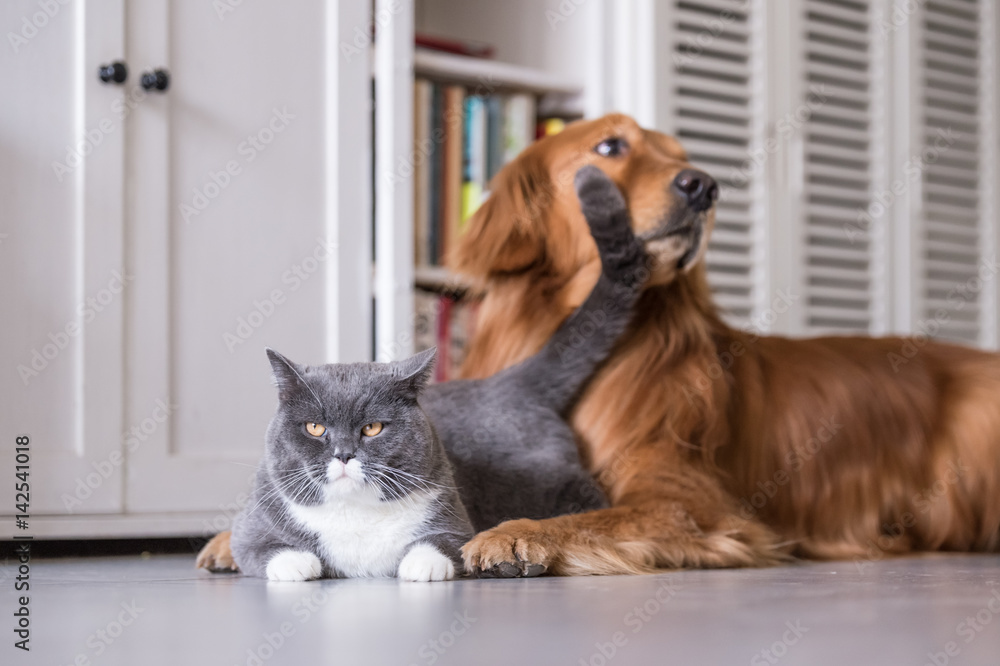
(717, 447)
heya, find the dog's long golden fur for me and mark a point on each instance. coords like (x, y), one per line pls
(717, 447)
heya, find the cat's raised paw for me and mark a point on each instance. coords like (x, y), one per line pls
(514, 549)
(294, 565)
(426, 563)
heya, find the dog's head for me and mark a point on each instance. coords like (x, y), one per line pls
(533, 219)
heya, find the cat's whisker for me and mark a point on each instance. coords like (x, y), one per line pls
(382, 482)
(435, 498)
(283, 489)
(274, 491)
(396, 493)
(281, 484)
(424, 483)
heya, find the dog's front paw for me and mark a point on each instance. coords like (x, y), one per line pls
(294, 565)
(514, 549)
(217, 556)
(426, 563)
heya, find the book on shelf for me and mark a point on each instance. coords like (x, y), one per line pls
(423, 100)
(446, 322)
(462, 140)
(458, 47)
(451, 174)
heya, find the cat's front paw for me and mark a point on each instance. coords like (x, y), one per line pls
(425, 563)
(294, 565)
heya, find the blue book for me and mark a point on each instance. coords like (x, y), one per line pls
(494, 136)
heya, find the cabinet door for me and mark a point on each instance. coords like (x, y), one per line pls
(62, 274)
(248, 227)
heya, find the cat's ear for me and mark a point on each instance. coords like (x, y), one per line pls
(286, 375)
(413, 374)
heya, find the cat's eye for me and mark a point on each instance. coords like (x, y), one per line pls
(315, 429)
(372, 429)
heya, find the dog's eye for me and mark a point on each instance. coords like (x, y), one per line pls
(372, 429)
(613, 147)
(315, 429)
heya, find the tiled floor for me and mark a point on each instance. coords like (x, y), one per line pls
(161, 611)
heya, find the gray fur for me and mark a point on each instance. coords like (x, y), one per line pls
(496, 448)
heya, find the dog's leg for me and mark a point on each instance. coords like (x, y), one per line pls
(216, 556)
(662, 531)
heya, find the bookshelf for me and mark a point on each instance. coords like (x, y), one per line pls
(471, 116)
(437, 278)
(551, 68)
(474, 71)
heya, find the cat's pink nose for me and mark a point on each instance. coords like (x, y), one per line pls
(337, 469)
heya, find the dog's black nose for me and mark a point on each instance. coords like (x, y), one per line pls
(698, 189)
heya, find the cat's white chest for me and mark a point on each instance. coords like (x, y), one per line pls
(362, 537)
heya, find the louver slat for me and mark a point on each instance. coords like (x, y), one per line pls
(712, 98)
(951, 184)
(837, 169)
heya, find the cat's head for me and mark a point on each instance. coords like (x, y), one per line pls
(346, 429)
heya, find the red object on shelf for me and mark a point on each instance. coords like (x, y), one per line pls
(443, 339)
(473, 49)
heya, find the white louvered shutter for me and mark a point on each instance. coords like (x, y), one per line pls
(951, 83)
(711, 94)
(838, 265)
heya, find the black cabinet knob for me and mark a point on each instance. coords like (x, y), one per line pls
(116, 72)
(158, 80)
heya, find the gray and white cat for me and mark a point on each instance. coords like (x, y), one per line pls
(369, 471)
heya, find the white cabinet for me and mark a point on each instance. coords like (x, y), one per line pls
(61, 256)
(227, 213)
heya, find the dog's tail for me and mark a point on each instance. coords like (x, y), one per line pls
(557, 374)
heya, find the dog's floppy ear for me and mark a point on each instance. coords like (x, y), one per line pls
(505, 235)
